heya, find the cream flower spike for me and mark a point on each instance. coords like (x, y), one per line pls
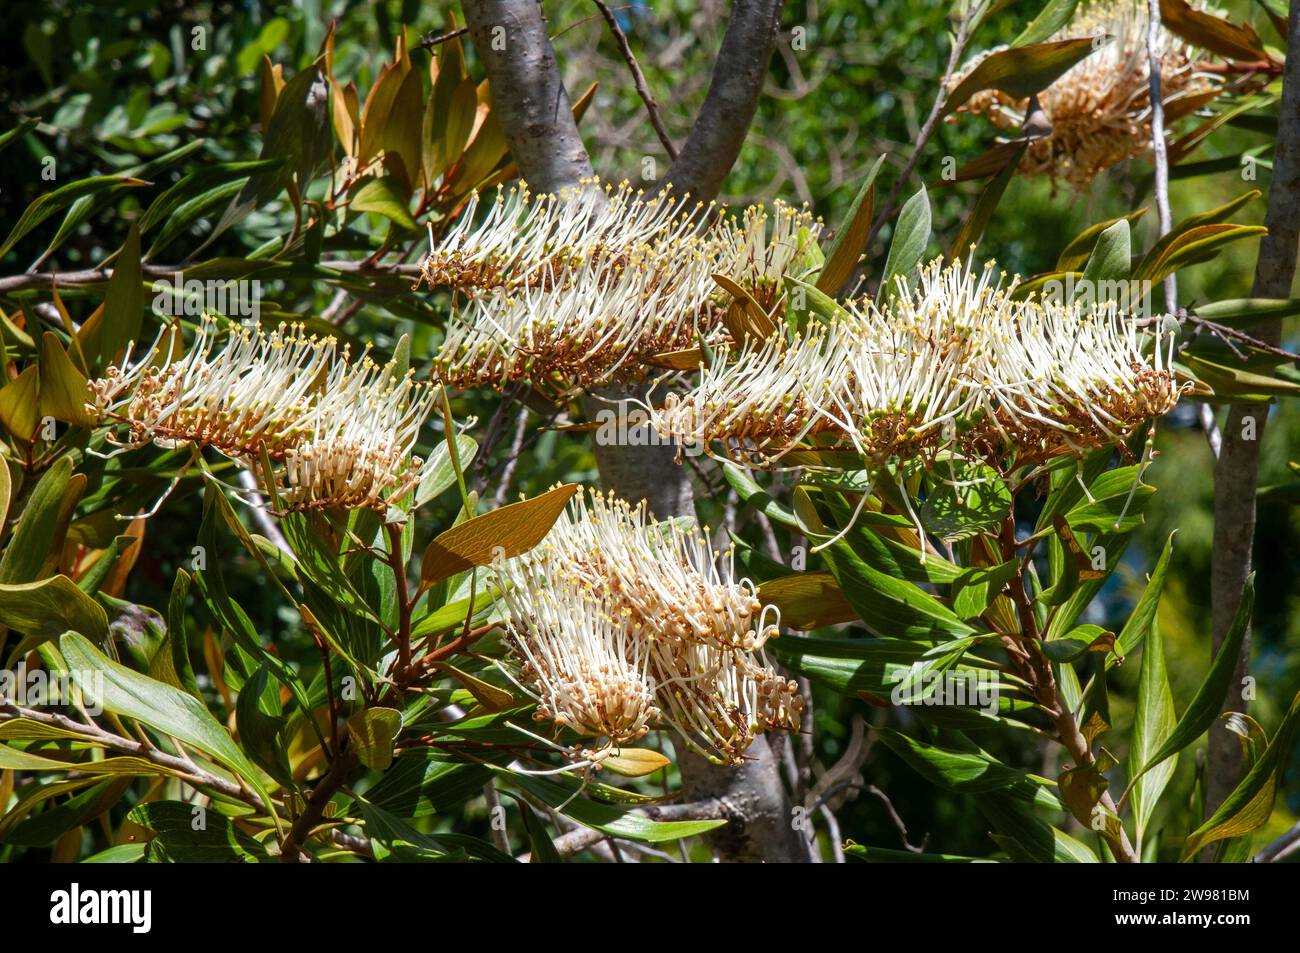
(584, 285)
(364, 426)
(666, 574)
(598, 323)
(1100, 110)
(337, 433)
(758, 258)
(956, 363)
(1066, 377)
(582, 660)
(528, 241)
(657, 597)
(718, 699)
(253, 391)
(772, 395)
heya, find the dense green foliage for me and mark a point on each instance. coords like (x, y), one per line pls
(119, 89)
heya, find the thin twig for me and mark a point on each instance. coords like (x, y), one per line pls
(183, 768)
(1281, 848)
(431, 39)
(512, 459)
(895, 819)
(1224, 333)
(1039, 670)
(638, 78)
(499, 836)
(1160, 158)
(44, 280)
(833, 832)
(960, 39)
(566, 845)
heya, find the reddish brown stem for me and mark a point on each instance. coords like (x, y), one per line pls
(1046, 692)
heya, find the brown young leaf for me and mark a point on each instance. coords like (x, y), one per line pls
(501, 533)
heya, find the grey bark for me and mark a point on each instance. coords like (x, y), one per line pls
(528, 95)
(762, 820)
(533, 107)
(649, 473)
(734, 90)
(1236, 475)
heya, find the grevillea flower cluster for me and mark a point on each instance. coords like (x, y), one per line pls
(338, 432)
(622, 624)
(1100, 109)
(605, 317)
(957, 363)
(584, 285)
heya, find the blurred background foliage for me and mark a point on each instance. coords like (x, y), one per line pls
(118, 83)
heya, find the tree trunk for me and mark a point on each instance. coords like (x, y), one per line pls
(533, 107)
(528, 96)
(1236, 475)
(763, 825)
(734, 90)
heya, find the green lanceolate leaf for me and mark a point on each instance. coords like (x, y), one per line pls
(438, 474)
(1022, 71)
(1077, 643)
(1119, 498)
(395, 839)
(161, 707)
(976, 587)
(384, 196)
(883, 855)
(911, 236)
(891, 607)
(1110, 258)
(1249, 806)
(969, 772)
(1049, 21)
(972, 229)
(851, 238)
(1243, 312)
(49, 203)
(1194, 246)
(1175, 235)
(262, 725)
(1153, 723)
(609, 818)
(808, 299)
(34, 535)
(544, 851)
(1144, 613)
(186, 833)
(50, 607)
(1025, 837)
(807, 600)
(1076, 254)
(979, 503)
(755, 496)
(851, 666)
(426, 781)
(64, 389)
(1208, 700)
